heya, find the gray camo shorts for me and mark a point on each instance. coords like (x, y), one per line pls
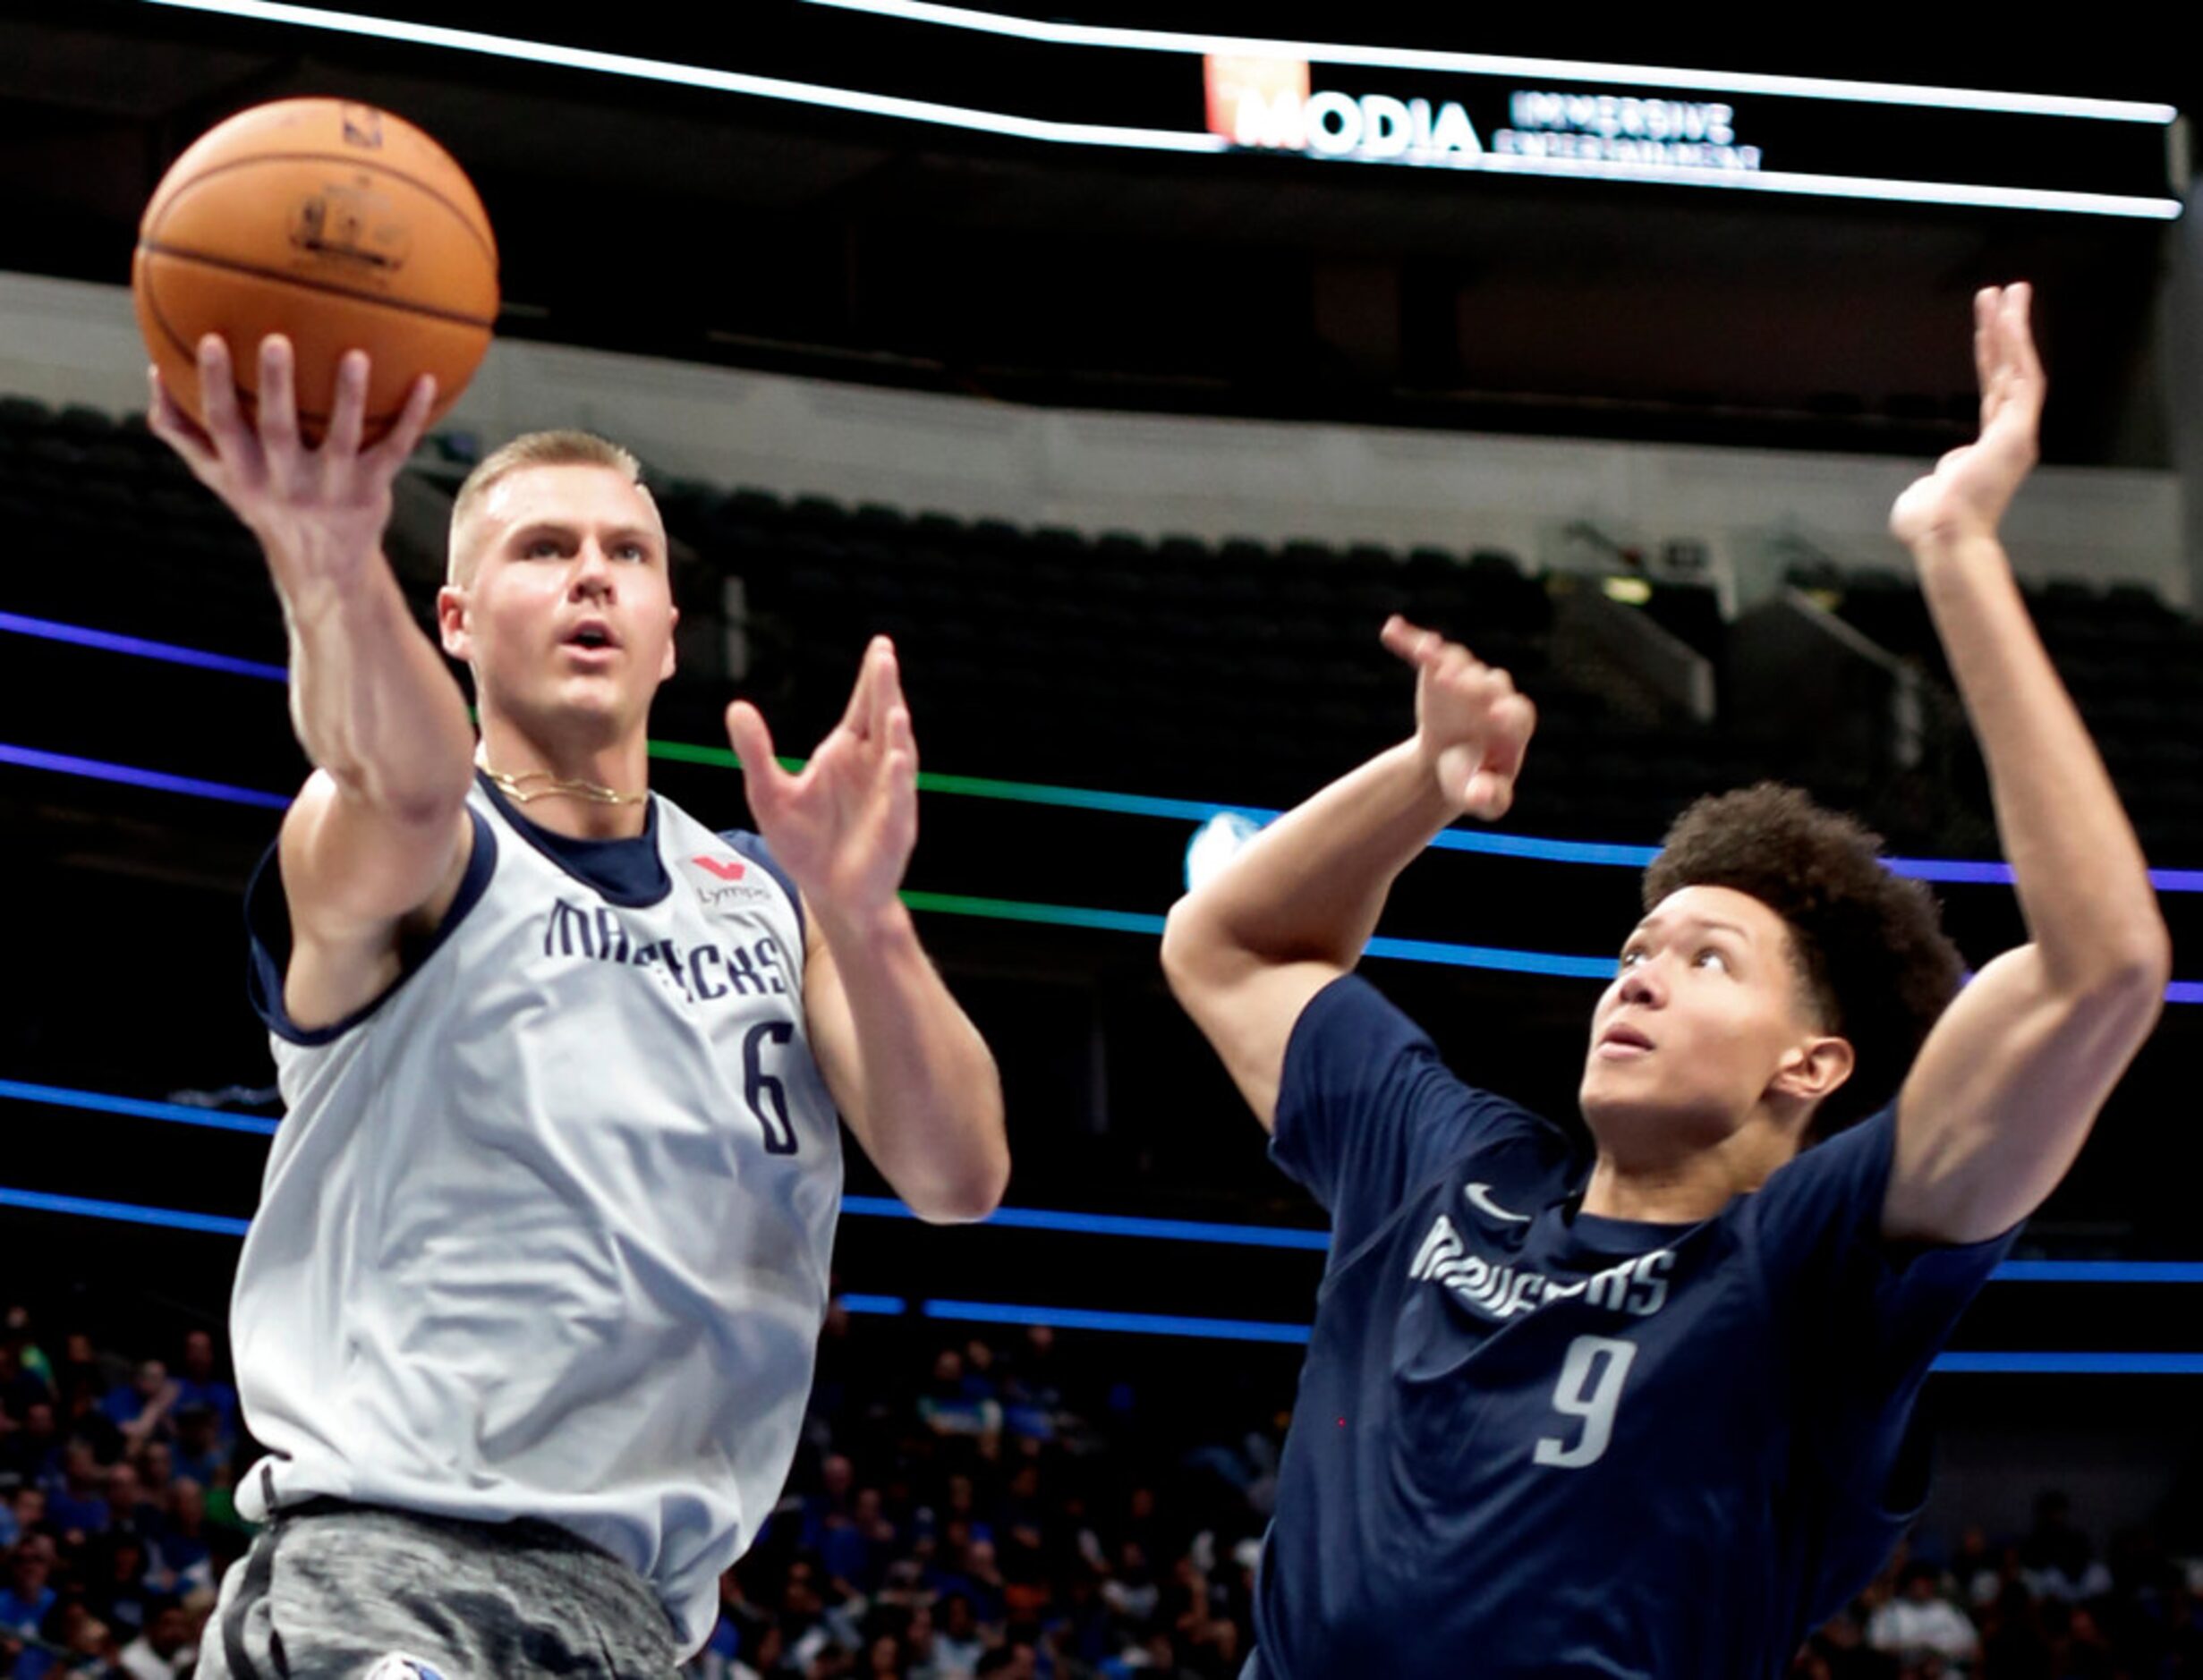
(338, 1592)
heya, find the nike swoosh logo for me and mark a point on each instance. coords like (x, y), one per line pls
(1479, 1197)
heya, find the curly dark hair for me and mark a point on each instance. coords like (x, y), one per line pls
(1868, 945)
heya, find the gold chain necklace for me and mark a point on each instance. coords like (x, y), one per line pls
(530, 786)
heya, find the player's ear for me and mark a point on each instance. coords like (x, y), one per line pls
(1815, 1067)
(673, 625)
(452, 628)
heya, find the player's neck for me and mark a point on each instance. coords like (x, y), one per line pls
(1688, 1184)
(584, 791)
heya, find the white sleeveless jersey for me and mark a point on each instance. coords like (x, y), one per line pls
(546, 1231)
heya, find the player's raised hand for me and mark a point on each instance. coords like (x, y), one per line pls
(313, 509)
(1472, 726)
(1967, 492)
(845, 826)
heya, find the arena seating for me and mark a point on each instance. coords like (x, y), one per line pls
(1234, 671)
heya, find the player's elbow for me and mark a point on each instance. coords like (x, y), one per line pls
(968, 1196)
(424, 798)
(2144, 973)
(2122, 985)
(1192, 948)
(2153, 952)
(2135, 965)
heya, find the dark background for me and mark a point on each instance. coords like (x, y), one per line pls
(650, 219)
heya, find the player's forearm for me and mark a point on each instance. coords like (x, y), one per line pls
(371, 698)
(1311, 886)
(2082, 882)
(927, 1087)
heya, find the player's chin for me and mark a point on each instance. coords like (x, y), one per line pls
(1621, 1093)
(596, 704)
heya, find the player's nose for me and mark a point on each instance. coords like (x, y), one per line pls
(592, 569)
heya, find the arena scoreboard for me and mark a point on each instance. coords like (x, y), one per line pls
(1267, 103)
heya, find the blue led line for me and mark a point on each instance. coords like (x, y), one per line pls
(2099, 1272)
(1481, 842)
(2074, 1364)
(1136, 1323)
(98, 770)
(1598, 968)
(1274, 1236)
(883, 1306)
(2091, 1364)
(177, 1113)
(1114, 1225)
(1144, 922)
(128, 1212)
(108, 641)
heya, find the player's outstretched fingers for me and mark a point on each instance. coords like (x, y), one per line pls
(218, 411)
(1491, 796)
(398, 445)
(278, 401)
(752, 744)
(1417, 645)
(1491, 787)
(902, 743)
(340, 443)
(165, 418)
(887, 686)
(856, 716)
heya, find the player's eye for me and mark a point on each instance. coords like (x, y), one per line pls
(1711, 956)
(1631, 957)
(539, 547)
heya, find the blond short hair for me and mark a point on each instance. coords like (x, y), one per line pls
(530, 449)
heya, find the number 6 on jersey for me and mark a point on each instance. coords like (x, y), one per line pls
(768, 1097)
(1590, 1388)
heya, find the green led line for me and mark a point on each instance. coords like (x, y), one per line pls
(1451, 839)
(719, 757)
(991, 787)
(1018, 910)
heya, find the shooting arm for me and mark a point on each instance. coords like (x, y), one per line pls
(379, 834)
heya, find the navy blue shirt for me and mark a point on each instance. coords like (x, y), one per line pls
(1532, 1441)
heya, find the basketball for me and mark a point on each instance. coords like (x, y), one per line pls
(339, 225)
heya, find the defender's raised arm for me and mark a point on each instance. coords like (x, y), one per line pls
(1245, 951)
(2010, 1080)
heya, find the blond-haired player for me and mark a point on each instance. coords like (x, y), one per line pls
(525, 1320)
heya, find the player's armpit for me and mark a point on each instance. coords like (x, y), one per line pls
(356, 877)
(1245, 1008)
(2004, 1091)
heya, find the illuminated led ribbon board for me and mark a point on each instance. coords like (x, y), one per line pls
(1147, 922)
(1467, 113)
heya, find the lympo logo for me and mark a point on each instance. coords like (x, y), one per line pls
(1266, 102)
(723, 884)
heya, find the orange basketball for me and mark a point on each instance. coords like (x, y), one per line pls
(337, 225)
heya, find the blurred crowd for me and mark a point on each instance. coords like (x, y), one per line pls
(989, 1506)
(2043, 1605)
(115, 1520)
